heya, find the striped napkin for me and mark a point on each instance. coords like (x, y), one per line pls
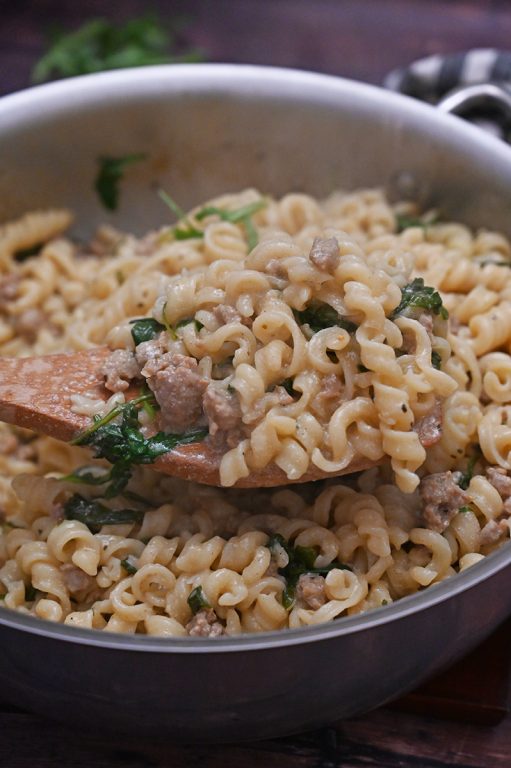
(432, 78)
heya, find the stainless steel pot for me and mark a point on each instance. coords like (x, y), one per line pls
(208, 129)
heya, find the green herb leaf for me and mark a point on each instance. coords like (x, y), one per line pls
(320, 316)
(464, 509)
(31, 593)
(416, 294)
(300, 561)
(111, 171)
(242, 215)
(197, 600)
(405, 221)
(288, 386)
(436, 359)
(495, 263)
(239, 214)
(93, 514)
(185, 231)
(145, 329)
(187, 321)
(88, 476)
(128, 566)
(466, 476)
(99, 45)
(26, 253)
(123, 444)
(176, 209)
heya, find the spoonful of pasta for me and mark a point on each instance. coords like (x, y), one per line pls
(49, 395)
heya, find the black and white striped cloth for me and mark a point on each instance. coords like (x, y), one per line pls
(432, 78)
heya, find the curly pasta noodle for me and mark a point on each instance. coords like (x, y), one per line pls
(426, 399)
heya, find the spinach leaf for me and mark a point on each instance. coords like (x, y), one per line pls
(405, 221)
(300, 561)
(319, 316)
(416, 294)
(123, 444)
(288, 386)
(197, 600)
(27, 253)
(111, 171)
(31, 593)
(495, 263)
(187, 321)
(88, 476)
(93, 514)
(100, 45)
(436, 359)
(145, 329)
(128, 566)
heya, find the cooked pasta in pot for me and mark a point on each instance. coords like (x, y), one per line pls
(293, 331)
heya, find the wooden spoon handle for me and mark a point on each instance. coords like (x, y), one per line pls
(35, 392)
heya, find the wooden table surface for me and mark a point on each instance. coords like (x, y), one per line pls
(361, 39)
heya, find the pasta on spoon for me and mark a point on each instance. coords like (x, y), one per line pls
(300, 356)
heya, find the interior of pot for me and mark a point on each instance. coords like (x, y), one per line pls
(208, 129)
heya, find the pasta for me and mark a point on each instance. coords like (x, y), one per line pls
(298, 332)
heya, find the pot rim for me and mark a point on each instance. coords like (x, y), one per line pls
(246, 81)
(406, 606)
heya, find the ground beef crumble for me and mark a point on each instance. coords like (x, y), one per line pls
(226, 314)
(429, 428)
(222, 409)
(311, 590)
(442, 498)
(500, 480)
(75, 579)
(178, 387)
(119, 369)
(205, 624)
(493, 531)
(325, 253)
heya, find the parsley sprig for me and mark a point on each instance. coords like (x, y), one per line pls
(241, 215)
(186, 230)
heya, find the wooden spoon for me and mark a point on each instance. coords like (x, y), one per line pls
(35, 392)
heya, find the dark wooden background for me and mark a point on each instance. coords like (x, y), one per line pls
(361, 39)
